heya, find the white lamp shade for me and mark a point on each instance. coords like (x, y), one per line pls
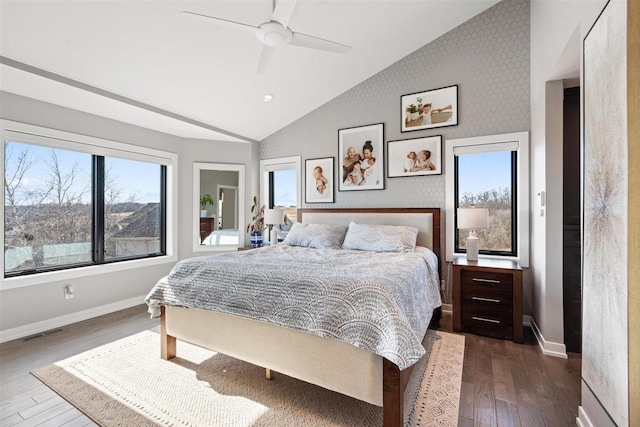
(273, 216)
(473, 218)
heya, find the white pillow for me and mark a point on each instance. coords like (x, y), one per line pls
(380, 238)
(317, 236)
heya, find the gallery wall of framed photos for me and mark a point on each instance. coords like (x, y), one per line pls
(487, 100)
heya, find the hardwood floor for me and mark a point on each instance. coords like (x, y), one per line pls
(24, 400)
(503, 384)
(508, 384)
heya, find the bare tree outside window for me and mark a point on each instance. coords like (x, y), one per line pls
(484, 180)
(48, 208)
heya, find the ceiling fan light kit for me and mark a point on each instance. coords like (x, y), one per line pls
(274, 34)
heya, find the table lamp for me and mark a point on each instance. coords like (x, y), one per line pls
(273, 217)
(472, 219)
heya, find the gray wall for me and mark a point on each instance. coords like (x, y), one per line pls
(487, 57)
(41, 306)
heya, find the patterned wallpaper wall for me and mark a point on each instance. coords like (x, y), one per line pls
(487, 57)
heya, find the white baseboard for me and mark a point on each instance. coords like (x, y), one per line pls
(583, 420)
(57, 322)
(591, 413)
(447, 308)
(548, 348)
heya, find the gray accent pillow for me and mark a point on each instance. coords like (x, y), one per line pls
(317, 236)
(380, 238)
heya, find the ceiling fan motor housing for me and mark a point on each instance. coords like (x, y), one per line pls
(274, 34)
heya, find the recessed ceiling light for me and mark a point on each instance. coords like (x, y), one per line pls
(267, 98)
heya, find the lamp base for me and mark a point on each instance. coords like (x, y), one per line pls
(274, 237)
(472, 248)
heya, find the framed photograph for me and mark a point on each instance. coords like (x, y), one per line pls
(361, 154)
(319, 180)
(414, 157)
(430, 109)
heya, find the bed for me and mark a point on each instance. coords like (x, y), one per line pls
(370, 360)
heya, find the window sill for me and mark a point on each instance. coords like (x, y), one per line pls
(55, 276)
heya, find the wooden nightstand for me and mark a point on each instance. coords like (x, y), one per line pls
(487, 298)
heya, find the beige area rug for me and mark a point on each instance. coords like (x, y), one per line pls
(125, 383)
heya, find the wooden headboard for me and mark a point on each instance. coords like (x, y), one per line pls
(426, 220)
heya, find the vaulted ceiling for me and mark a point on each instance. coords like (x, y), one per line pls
(145, 63)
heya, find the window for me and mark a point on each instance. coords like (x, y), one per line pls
(280, 184)
(284, 192)
(47, 216)
(496, 191)
(490, 172)
(133, 208)
(69, 203)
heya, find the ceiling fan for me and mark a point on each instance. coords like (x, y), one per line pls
(276, 33)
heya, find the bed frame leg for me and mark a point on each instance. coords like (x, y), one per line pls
(167, 342)
(392, 395)
(268, 373)
(435, 319)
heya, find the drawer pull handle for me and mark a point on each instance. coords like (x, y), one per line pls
(485, 299)
(485, 280)
(482, 319)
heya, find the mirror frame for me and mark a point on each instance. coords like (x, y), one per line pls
(195, 233)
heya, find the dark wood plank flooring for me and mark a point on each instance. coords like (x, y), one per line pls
(508, 384)
(503, 384)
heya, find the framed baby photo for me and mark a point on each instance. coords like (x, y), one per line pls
(429, 109)
(415, 157)
(361, 155)
(319, 180)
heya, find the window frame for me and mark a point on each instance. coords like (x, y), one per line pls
(282, 163)
(42, 136)
(518, 142)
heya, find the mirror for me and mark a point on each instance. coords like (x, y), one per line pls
(218, 206)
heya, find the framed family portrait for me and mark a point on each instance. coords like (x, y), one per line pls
(429, 109)
(413, 157)
(361, 154)
(319, 180)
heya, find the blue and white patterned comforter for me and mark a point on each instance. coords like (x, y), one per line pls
(379, 302)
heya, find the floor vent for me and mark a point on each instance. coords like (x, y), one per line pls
(32, 337)
(41, 334)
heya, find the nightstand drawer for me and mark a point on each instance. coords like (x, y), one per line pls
(483, 320)
(488, 279)
(488, 309)
(495, 293)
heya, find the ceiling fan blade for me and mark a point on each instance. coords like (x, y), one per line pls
(222, 22)
(265, 58)
(305, 40)
(283, 10)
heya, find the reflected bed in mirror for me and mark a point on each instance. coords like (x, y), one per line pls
(218, 206)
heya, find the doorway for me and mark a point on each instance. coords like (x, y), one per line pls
(571, 218)
(227, 207)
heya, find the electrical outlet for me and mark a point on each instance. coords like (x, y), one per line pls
(443, 284)
(68, 292)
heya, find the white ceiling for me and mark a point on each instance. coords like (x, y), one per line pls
(142, 62)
